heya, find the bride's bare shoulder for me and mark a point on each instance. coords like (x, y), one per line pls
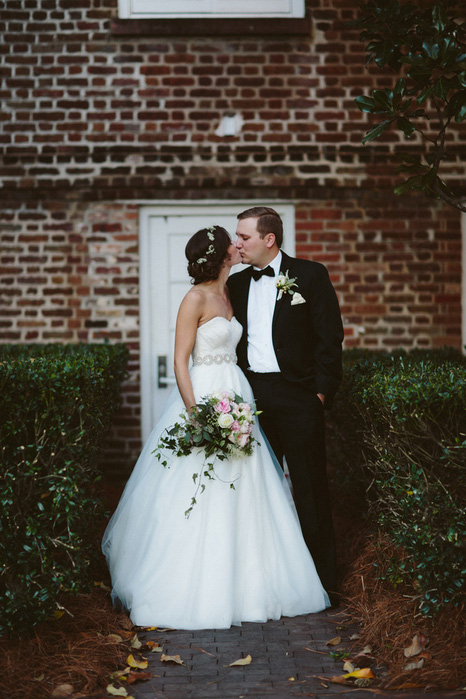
(195, 296)
(193, 302)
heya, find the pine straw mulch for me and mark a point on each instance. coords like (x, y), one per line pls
(71, 650)
(390, 619)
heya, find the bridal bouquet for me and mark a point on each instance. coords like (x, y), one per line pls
(220, 425)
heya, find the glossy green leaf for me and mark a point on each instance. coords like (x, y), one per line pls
(365, 104)
(406, 126)
(377, 130)
(442, 88)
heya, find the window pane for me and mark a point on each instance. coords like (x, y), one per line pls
(163, 8)
(211, 8)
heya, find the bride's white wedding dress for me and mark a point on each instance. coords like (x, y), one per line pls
(240, 556)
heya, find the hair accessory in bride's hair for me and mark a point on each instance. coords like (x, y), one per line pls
(210, 250)
(210, 233)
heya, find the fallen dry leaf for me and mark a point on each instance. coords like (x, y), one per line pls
(415, 647)
(204, 651)
(135, 642)
(126, 622)
(113, 638)
(116, 691)
(354, 637)
(154, 647)
(338, 679)
(348, 667)
(291, 679)
(120, 673)
(132, 662)
(367, 650)
(126, 634)
(415, 665)
(334, 641)
(241, 661)
(63, 690)
(102, 586)
(364, 672)
(138, 677)
(171, 659)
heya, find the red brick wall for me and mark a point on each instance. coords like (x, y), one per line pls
(92, 123)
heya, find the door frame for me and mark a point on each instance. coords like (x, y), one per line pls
(147, 281)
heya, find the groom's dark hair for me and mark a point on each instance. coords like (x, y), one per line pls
(268, 221)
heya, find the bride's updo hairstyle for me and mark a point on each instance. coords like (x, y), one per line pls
(206, 252)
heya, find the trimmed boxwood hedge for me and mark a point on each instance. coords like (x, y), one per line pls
(400, 421)
(57, 403)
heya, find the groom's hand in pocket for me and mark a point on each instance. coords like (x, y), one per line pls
(321, 397)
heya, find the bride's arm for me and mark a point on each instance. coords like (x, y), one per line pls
(190, 311)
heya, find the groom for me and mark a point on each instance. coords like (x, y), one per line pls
(291, 353)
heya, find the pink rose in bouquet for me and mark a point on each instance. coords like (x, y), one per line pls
(223, 406)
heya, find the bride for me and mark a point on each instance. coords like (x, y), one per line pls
(240, 556)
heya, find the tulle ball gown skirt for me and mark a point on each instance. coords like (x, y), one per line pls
(240, 556)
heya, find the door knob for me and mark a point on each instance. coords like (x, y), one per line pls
(162, 379)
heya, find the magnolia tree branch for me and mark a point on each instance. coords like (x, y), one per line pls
(456, 202)
(426, 45)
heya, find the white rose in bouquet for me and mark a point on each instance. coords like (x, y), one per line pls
(225, 420)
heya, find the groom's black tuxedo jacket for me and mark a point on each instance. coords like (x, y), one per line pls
(307, 337)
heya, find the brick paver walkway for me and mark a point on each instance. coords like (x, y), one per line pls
(286, 654)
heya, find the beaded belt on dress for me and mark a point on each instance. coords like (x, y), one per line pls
(209, 359)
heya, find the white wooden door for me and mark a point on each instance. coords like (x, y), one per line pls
(164, 232)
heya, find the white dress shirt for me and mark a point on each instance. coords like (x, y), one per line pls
(261, 306)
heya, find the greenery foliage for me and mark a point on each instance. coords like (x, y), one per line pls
(57, 404)
(425, 42)
(405, 444)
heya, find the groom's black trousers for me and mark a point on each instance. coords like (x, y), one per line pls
(293, 421)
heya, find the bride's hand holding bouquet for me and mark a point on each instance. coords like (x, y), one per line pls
(220, 425)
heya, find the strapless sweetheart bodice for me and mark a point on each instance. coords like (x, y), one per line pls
(217, 339)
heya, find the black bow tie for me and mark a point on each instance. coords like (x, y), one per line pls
(258, 273)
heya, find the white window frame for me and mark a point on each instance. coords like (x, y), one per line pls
(157, 9)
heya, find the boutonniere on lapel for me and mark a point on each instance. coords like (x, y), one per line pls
(285, 285)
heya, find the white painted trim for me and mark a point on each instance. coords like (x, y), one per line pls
(140, 9)
(144, 321)
(147, 279)
(463, 283)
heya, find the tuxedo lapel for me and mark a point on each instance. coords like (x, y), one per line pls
(285, 266)
(241, 308)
